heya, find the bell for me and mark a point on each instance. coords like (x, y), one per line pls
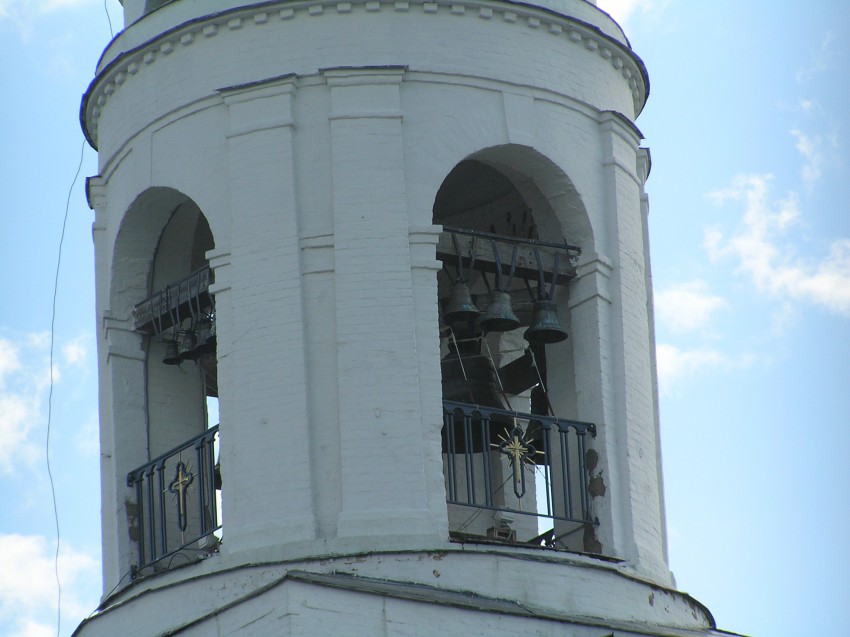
(187, 346)
(545, 327)
(172, 355)
(460, 307)
(469, 377)
(206, 339)
(499, 315)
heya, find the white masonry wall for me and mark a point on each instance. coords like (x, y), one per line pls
(314, 137)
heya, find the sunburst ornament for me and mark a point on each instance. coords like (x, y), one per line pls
(519, 451)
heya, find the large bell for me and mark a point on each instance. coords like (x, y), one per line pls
(545, 327)
(499, 315)
(206, 339)
(187, 346)
(460, 306)
(469, 377)
(172, 354)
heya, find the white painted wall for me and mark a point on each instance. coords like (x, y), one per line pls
(314, 138)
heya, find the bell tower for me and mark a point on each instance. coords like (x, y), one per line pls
(375, 323)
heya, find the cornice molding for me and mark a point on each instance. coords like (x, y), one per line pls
(136, 61)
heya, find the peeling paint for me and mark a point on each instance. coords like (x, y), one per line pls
(596, 487)
(591, 459)
(132, 510)
(591, 542)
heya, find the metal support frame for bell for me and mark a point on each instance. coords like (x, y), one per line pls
(499, 315)
(205, 336)
(190, 341)
(172, 353)
(545, 327)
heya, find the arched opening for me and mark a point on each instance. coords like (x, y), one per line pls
(513, 460)
(160, 272)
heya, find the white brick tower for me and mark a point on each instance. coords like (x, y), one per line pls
(339, 246)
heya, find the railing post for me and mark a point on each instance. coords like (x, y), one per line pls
(163, 530)
(137, 478)
(149, 503)
(485, 453)
(449, 424)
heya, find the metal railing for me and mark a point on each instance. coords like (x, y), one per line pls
(515, 466)
(176, 498)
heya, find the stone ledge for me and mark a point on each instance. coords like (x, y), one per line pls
(131, 63)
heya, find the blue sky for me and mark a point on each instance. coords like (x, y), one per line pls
(749, 130)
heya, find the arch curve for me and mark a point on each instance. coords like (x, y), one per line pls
(160, 223)
(528, 176)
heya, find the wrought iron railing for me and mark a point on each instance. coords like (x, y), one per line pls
(527, 471)
(177, 504)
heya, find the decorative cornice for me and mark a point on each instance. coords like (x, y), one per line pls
(133, 62)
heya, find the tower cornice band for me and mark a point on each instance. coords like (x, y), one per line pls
(126, 66)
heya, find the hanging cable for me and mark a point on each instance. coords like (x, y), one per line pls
(50, 393)
(542, 384)
(106, 9)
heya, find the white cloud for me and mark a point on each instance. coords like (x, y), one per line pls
(75, 351)
(821, 60)
(783, 319)
(25, 13)
(674, 363)
(28, 627)
(20, 8)
(10, 361)
(810, 148)
(766, 255)
(28, 592)
(87, 438)
(687, 307)
(24, 382)
(622, 10)
(20, 397)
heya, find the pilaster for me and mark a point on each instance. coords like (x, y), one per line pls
(383, 493)
(123, 443)
(264, 421)
(634, 413)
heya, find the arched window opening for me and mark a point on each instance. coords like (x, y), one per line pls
(513, 462)
(177, 490)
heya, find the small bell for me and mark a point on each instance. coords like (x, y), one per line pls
(460, 306)
(172, 355)
(499, 315)
(545, 327)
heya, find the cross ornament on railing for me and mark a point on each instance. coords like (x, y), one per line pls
(519, 451)
(181, 482)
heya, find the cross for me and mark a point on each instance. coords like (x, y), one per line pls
(518, 452)
(182, 480)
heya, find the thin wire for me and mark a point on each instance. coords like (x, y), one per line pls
(105, 8)
(542, 384)
(50, 394)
